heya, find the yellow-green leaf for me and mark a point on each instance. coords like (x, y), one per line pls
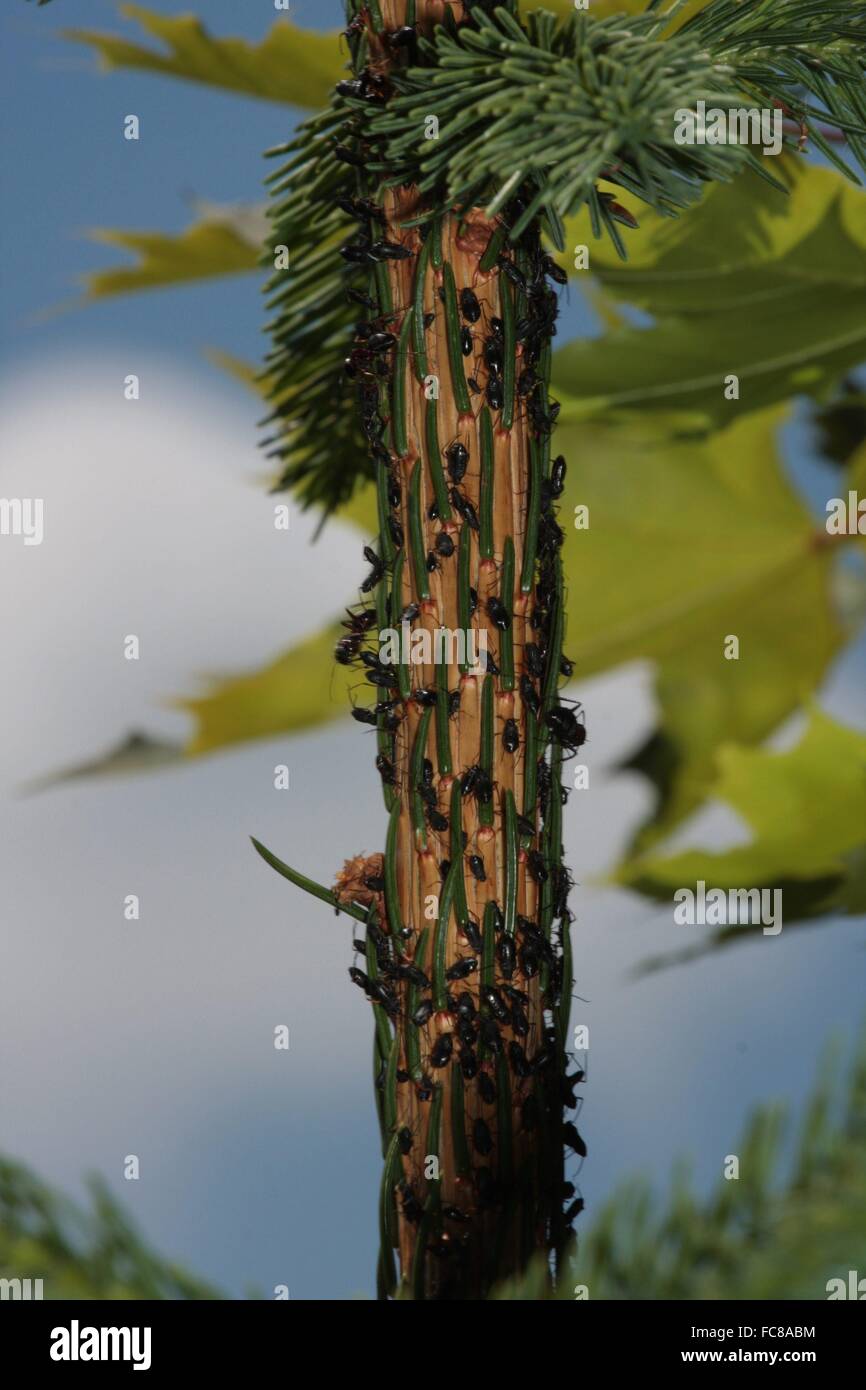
(290, 65)
(303, 687)
(687, 544)
(748, 285)
(203, 251)
(806, 808)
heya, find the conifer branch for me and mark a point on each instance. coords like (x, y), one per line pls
(593, 100)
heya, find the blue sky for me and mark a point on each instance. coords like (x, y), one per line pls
(158, 1041)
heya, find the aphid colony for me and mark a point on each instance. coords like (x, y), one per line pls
(466, 958)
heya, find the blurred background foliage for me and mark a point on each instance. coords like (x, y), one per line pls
(785, 1226)
(697, 530)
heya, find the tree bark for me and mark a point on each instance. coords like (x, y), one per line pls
(471, 1099)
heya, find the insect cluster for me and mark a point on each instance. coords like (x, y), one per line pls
(466, 957)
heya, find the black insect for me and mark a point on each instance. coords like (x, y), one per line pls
(440, 1055)
(505, 954)
(422, 1013)
(572, 1211)
(519, 1021)
(499, 615)
(381, 342)
(464, 508)
(431, 562)
(403, 37)
(565, 726)
(458, 457)
(465, 1006)
(404, 1140)
(525, 826)
(468, 1063)
(376, 884)
(410, 613)
(385, 768)
(380, 676)
(347, 648)
(529, 694)
(482, 1138)
(495, 1003)
(554, 270)
(572, 1139)
(473, 600)
(537, 866)
(396, 531)
(476, 866)
(377, 570)
(363, 210)
(510, 736)
(412, 1208)
(454, 1214)
(382, 994)
(389, 251)
(453, 703)
(490, 1035)
(461, 968)
(486, 1088)
(425, 696)
(508, 268)
(444, 545)
(424, 1089)
(414, 974)
(359, 978)
(465, 342)
(473, 386)
(356, 252)
(469, 779)
(530, 961)
(495, 396)
(527, 381)
(542, 1059)
(469, 306)
(493, 356)
(557, 475)
(534, 659)
(466, 1031)
(364, 716)
(519, 1064)
(437, 821)
(490, 665)
(358, 297)
(473, 935)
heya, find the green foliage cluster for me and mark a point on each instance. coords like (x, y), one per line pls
(81, 1252)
